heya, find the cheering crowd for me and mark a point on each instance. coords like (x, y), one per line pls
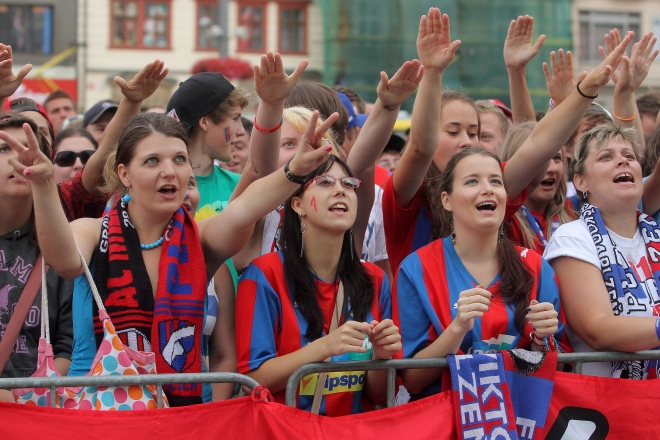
(313, 234)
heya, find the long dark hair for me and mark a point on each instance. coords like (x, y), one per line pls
(358, 285)
(516, 283)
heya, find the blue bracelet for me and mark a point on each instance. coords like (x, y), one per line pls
(657, 327)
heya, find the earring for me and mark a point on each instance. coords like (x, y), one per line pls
(501, 233)
(302, 235)
(126, 198)
(453, 234)
(350, 239)
(584, 195)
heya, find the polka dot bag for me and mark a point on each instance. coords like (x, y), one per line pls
(112, 359)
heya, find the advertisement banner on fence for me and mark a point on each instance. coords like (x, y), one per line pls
(581, 408)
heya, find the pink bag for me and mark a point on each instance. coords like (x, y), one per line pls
(112, 359)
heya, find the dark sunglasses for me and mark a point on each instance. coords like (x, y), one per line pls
(326, 181)
(68, 158)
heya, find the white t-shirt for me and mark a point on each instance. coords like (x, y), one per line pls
(373, 248)
(574, 240)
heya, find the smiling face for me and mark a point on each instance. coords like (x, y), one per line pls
(459, 129)
(12, 186)
(612, 177)
(478, 199)
(157, 175)
(329, 209)
(546, 190)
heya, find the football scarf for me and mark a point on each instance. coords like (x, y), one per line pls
(502, 395)
(536, 228)
(627, 296)
(171, 324)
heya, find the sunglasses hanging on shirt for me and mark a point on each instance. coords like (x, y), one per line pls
(68, 158)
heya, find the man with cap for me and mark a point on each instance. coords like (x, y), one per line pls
(210, 107)
(98, 117)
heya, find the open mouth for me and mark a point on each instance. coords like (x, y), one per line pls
(338, 207)
(167, 189)
(548, 183)
(486, 206)
(624, 177)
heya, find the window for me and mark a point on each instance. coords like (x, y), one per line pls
(293, 28)
(27, 29)
(141, 24)
(208, 25)
(594, 25)
(251, 30)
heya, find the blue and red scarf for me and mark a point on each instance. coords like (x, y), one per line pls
(536, 228)
(626, 293)
(502, 395)
(171, 324)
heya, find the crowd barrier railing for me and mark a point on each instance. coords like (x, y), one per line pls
(577, 359)
(114, 381)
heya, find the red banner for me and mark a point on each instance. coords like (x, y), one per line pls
(582, 408)
(38, 89)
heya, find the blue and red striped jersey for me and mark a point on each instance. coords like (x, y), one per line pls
(425, 297)
(269, 324)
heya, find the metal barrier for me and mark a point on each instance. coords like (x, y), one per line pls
(114, 381)
(577, 359)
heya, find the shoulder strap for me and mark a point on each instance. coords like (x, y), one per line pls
(320, 384)
(17, 319)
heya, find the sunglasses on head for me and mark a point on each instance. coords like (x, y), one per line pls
(326, 181)
(68, 158)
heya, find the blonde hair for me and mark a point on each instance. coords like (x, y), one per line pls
(300, 116)
(485, 106)
(514, 139)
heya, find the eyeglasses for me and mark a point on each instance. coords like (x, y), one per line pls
(326, 181)
(68, 158)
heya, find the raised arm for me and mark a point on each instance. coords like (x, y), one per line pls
(272, 85)
(552, 132)
(376, 133)
(518, 51)
(560, 77)
(139, 88)
(56, 239)
(223, 235)
(9, 82)
(436, 51)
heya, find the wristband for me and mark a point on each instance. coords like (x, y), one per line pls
(657, 327)
(586, 96)
(551, 104)
(300, 180)
(267, 130)
(625, 119)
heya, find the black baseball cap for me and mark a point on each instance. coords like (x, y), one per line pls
(198, 96)
(97, 110)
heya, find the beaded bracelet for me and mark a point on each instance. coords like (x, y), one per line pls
(267, 130)
(625, 119)
(549, 343)
(586, 96)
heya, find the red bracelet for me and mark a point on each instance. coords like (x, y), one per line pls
(267, 130)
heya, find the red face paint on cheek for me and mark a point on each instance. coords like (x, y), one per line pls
(313, 203)
(227, 134)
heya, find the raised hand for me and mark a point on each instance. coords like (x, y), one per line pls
(543, 319)
(518, 47)
(561, 79)
(633, 70)
(9, 82)
(434, 46)
(271, 82)
(471, 304)
(347, 338)
(603, 72)
(393, 92)
(312, 151)
(385, 338)
(144, 83)
(29, 161)
(612, 40)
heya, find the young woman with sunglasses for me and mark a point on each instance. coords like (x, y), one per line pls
(73, 148)
(290, 311)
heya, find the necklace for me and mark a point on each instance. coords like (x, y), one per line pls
(153, 245)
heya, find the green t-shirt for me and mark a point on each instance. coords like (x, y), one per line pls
(215, 191)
